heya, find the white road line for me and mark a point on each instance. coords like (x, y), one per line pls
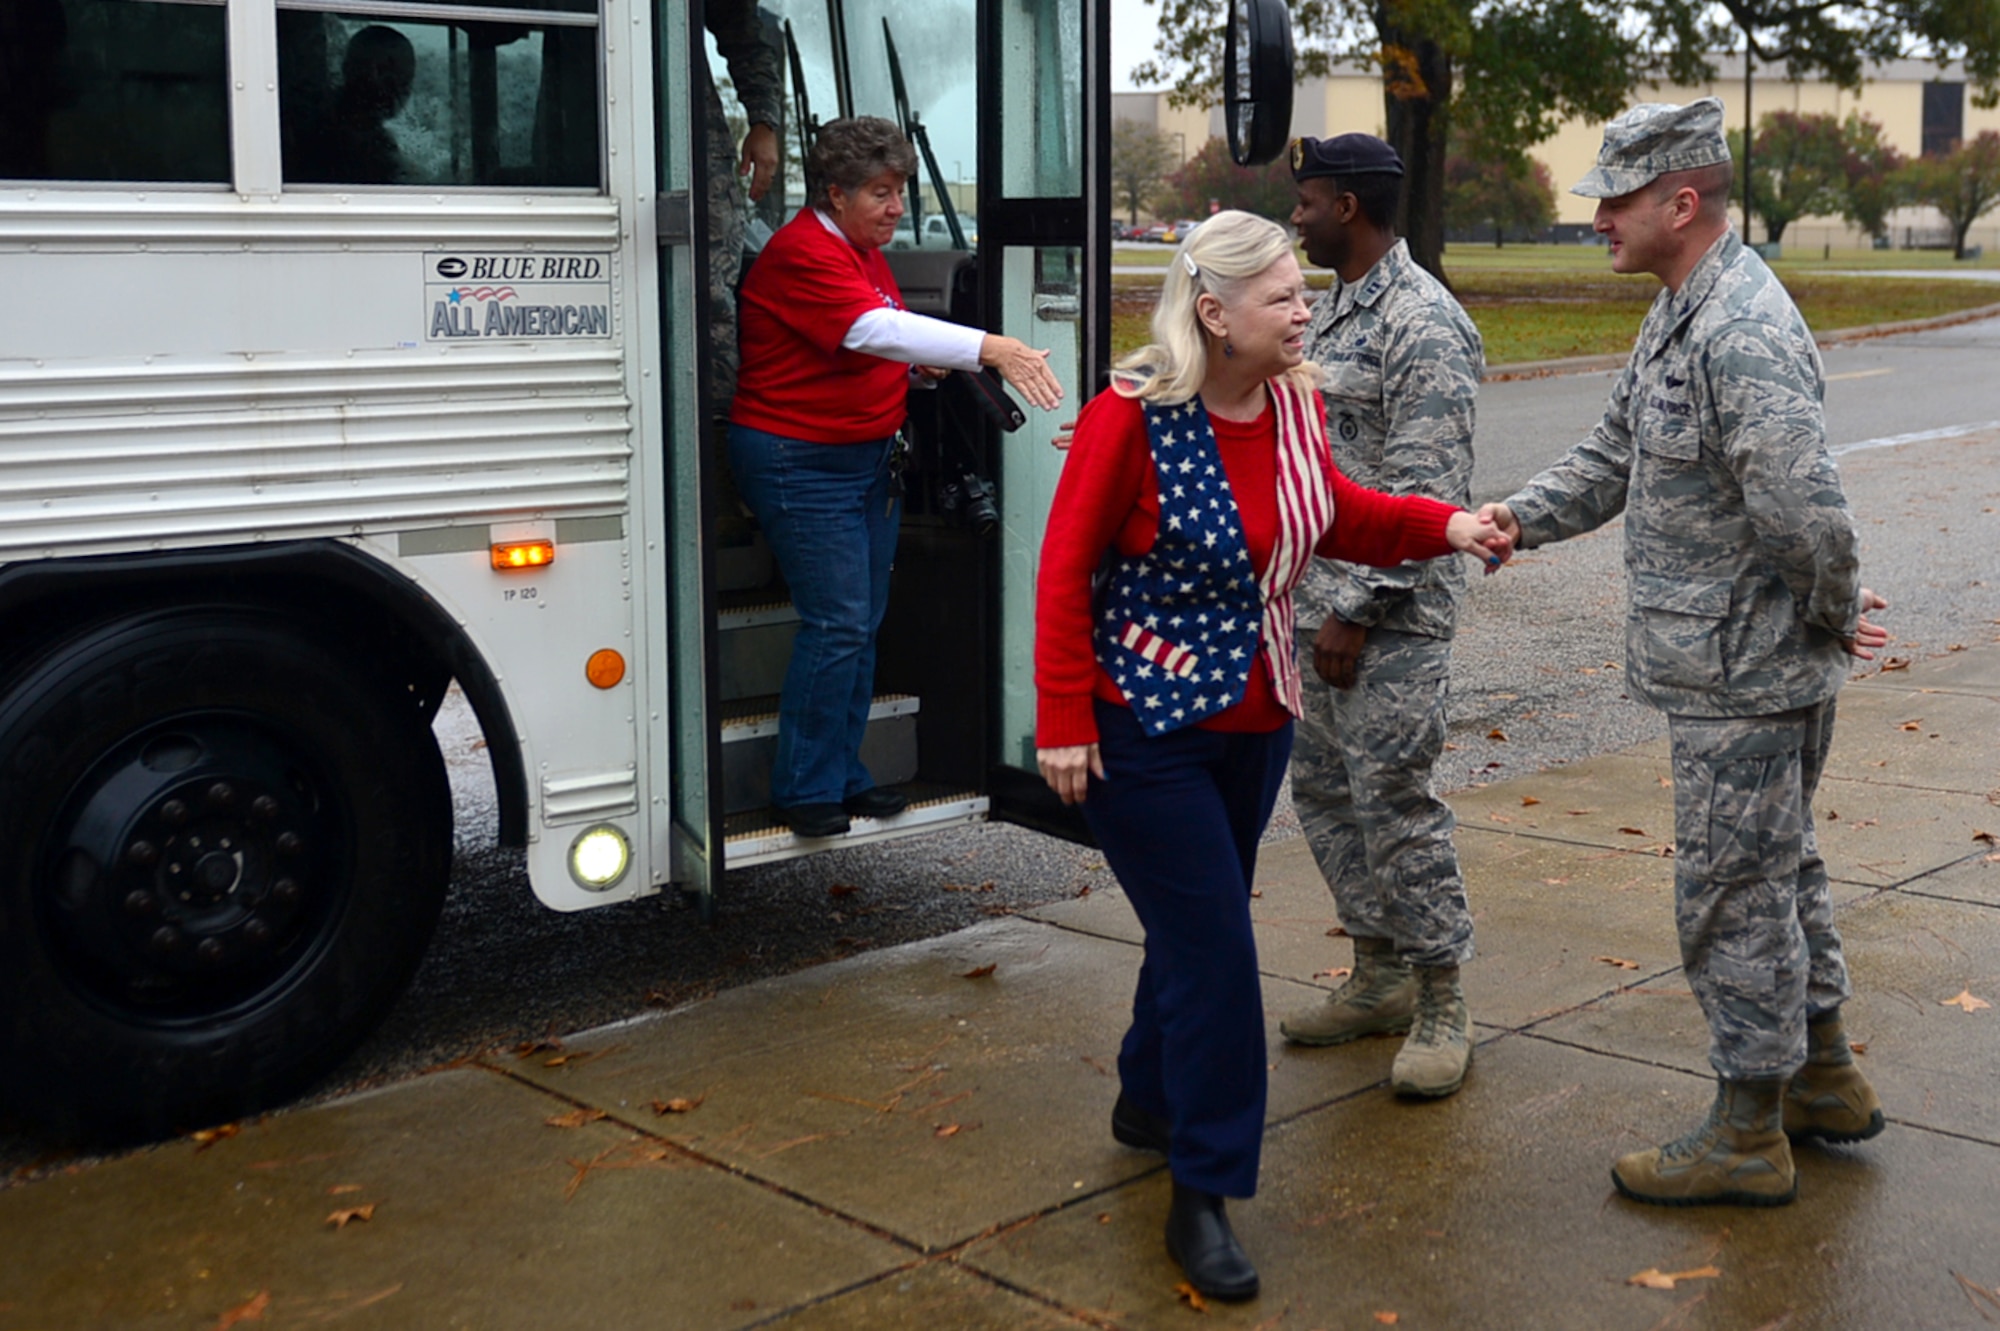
(1892, 440)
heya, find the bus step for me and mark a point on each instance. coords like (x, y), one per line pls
(750, 742)
(753, 646)
(757, 837)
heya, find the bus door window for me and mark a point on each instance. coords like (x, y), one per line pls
(114, 90)
(392, 98)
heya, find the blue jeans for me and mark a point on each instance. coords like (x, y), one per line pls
(828, 513)
(1178, 817)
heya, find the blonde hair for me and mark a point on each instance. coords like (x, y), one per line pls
(1227, 251)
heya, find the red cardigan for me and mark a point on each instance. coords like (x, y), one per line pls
(803, 293)
(1109, 495)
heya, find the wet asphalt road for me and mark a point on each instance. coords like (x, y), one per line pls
(1537, 681)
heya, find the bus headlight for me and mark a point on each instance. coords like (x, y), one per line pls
(599, 857)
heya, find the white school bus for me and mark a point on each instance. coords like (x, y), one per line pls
(316, 400)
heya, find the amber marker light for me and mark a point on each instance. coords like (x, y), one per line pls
(514, 555)
(604, 668)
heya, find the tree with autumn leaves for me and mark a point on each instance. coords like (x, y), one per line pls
(1523, 67)
(1211, 179)
(1963, 184)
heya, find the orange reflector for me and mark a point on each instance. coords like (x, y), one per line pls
(523, 554)
(604, 668)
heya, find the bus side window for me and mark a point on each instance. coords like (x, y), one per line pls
(366, 102)
(114, 90)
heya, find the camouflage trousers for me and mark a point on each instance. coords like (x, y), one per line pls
(1750, 891)
(1361, 782)
(728, 224)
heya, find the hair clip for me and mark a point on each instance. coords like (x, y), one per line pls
(1187, 261)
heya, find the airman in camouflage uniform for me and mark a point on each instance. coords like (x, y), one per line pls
(754, 72)
(1746, 605)
(1403, 365)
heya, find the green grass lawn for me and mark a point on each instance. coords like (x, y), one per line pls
(1544, 302)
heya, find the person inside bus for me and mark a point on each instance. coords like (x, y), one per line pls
(828, 356)
(1197, 489)
(354, 146)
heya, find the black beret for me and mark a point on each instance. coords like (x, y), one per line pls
(1344, 155)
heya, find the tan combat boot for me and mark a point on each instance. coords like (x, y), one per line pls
(1829, 1098)
(1377, 999)
(1738, 1156)
(1433, 1060)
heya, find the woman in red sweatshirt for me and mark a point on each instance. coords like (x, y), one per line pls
(1196, 492)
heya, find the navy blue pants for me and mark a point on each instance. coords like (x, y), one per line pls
(1179, 817)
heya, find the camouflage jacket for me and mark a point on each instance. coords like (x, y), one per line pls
(754, 70)
(1742, 556)
(1403, 364)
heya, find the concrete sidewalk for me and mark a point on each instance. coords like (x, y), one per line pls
(917, 1138)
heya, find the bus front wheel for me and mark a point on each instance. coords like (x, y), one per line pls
(227, 845)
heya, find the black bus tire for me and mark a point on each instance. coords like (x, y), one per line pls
(226, 846)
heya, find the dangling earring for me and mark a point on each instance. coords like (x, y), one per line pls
(1228, 348)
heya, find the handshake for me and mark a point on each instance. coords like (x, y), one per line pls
(1488, 534)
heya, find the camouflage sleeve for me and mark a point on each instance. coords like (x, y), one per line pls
(1765, 391)
(1431, 370)
(753, 62)
(1586, 487)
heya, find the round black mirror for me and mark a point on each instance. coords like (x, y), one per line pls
(1257, 80)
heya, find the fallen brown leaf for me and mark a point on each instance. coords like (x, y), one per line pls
(342, 1189)
(947, 1130)
(842, 890)
(1896, 663)
(1256, 891)
(1858, 1046)
(1104, 1217)
(1654, 1278)
(1911, 725)
(1633, 831)
(575, 1118)
(340, 1218)
(1964, 1000)
(1334, 973)
(208, 1137)
(981, 972)
(252, 1310)
(1528, 801)
(1191, 1296)
(1987, 837)
(1620, 962)
(678, 1105)
(1497, 733)
(1387, 1318)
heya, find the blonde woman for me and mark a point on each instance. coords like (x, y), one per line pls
(1197, 489)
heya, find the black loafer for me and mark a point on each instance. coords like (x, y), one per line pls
(1199, 1238)
(815, 820)
(876, 802)
(1138, 1128)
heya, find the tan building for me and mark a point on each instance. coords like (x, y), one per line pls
(1918, 106)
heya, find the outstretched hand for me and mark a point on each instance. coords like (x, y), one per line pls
(1024, 367)
(1481, 536)
(1867, 635)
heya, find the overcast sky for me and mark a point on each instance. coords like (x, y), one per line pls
(1134, 24)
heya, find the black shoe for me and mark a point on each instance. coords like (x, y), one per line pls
(1135, 1127)
(814, 820)
(1199, 1238)
(876, 802)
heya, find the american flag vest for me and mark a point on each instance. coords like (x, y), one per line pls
(1180, 628)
